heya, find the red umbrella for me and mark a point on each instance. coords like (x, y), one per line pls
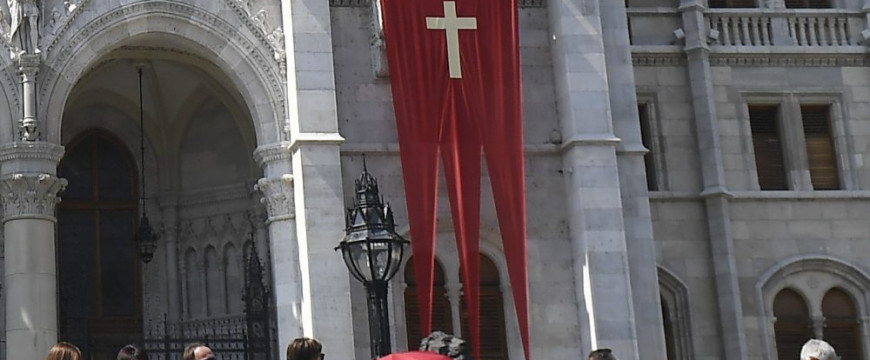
(415, 355)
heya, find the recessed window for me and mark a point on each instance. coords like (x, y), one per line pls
(808, 4)
(646, 137)
(769, 163)
(793, 326)
(732, 4)
(841, 324)
(820, 147)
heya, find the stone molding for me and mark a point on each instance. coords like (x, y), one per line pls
(658, 59)
(589, 140)
(778, 60)
(278, 197)
(216, 195)
(365, 3)
(260, 51)
(834, 60)
(244, 15)
(270, 153)
(392, 148)
(299, 140)
(31, 196)
(31, 151)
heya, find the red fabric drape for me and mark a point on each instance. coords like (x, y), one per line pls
(457, 118)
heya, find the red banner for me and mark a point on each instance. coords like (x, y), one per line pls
(455, 75)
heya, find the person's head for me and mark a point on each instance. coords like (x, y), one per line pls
(815, 349)
(131, 352)
(446, 344)
(602, 354)
(64, 351)
(305, 349)
(197, 351)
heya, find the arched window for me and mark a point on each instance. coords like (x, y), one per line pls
(493, 345)
(99, 281)
(442, 318)
(792, 327)
(841, 324)
(818, 296)
(675, 316)
(213, 296)
(445, 305)
(669, 331)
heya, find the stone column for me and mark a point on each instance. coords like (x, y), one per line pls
(203, 285)
(818, 325)
(595, 216)
(715, 193)
(261, 237)
(185, 305)
(277, 189)
(29, 191)
(635, 197)
(312, 124)
(173, 281)
(454, 298)
(29, 67)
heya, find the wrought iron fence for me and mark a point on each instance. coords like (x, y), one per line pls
(227, 337)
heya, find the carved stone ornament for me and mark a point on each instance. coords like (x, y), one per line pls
(277, 196)
(31, 195)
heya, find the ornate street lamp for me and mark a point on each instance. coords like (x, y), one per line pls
(146, 241)
(373, 253)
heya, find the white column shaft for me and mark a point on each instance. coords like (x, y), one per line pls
(30, 282)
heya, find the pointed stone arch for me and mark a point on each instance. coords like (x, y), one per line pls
(241, 56)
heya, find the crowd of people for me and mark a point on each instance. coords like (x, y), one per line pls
(438, 342)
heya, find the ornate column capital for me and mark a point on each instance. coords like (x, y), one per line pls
(266, 154)
(30, 196)
(277, 196)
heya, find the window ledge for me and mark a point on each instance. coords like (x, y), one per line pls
(773, 195)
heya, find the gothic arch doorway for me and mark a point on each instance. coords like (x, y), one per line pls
(99, 284)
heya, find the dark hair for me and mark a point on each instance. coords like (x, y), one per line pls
(64, 351)
(131, 352)
(304, 349)
(601, 354)
(189, 351)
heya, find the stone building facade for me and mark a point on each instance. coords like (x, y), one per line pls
(695, 175)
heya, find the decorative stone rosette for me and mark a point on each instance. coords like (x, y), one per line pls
(277, 196)
(30, 195)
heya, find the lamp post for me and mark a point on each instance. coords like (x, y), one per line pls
(373, 252)
(145, 239)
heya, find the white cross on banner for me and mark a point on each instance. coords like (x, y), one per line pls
(451, 25)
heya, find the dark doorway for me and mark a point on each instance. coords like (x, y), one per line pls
(99, 287)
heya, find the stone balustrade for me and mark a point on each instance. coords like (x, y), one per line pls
(786, 27)
(730, 29)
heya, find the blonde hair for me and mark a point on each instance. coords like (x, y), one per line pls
(64, 351)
